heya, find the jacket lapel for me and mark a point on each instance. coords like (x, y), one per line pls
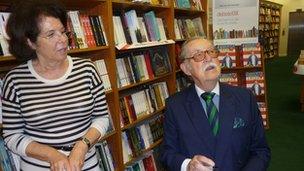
(227, 111)
(198, 117)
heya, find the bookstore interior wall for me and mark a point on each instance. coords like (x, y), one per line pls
(134, 45)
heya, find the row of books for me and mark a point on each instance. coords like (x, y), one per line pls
(143, 102)
(87, 30)
(269, 19)
(269, 26)
(270, 11)
(185, 28)
(250, 56)
(139, 66)
(232, 34)
(153, 2)
(139, 138)
(131, 30)
(105, 158)
(193, 4)
(254, 81)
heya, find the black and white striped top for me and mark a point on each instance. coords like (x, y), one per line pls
(52, 112)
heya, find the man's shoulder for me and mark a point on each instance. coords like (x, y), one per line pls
(181, 95)
(234, 90)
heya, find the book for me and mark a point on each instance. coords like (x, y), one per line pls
(255, 82)
(3, 35)
(229, 78)
(160, 60)
(252, 55)
(227, 56)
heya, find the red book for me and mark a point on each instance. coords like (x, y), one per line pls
(148, 64)
(130, 108)
(149, 163)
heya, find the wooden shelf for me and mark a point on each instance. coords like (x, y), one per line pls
(127, 5)
(143, 118)
(143, 82)
(133, 160)
(183, 12)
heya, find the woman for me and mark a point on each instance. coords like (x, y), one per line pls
(54, 106)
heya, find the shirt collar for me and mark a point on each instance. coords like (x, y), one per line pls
(216, 90)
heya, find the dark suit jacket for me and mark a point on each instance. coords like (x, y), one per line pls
(240, 143)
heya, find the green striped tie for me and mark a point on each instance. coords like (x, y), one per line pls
(212, 112)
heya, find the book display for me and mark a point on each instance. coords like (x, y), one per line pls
(132, 44)
(245, 68)
(269, 27)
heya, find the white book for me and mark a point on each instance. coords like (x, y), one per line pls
(120, 71)
(127, 152)
(144, 135)
(199, 26)
(108, 155)
(151, 109)
(121, 38)
(149, 133)
(106, 82)
(176, 30)
(133, 25)
(143, 29)
(3, 35)
(101, 66)
(161, 28)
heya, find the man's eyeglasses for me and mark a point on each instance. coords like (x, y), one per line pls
(201, 55)
(52, 35)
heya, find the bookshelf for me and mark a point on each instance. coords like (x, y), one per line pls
(165, 10)
(269, 27)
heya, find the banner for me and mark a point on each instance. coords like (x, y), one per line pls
(235, 21)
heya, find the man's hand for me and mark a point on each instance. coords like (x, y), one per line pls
(200, 163)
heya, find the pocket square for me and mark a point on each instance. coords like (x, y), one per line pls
(238, 123)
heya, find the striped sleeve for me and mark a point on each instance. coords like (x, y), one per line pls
(100, 114)
(13, 124)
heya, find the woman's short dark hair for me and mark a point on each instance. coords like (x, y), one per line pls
(23, 24)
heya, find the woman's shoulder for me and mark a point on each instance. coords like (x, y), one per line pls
(19, 69)
(82, 62)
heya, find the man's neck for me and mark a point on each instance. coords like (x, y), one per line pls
(207, 85)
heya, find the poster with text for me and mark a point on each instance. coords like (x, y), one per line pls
(235, 21)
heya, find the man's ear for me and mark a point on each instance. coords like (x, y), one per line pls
(31, 44)
(185, 68)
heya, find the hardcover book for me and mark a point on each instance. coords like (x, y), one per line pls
(160, 61)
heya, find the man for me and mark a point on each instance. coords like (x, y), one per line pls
(221, 133)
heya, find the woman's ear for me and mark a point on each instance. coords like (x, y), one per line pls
(185, 67)
(31, 44)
